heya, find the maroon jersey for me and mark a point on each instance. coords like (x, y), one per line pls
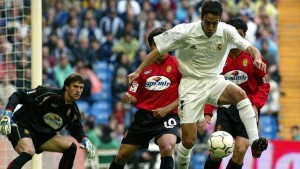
(157, 85)
(241, 71)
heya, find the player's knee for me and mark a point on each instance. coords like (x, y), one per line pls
(240, 150)
(25, 149)
(121, 158)
(188, 143)
(166, 150)
(240, 95)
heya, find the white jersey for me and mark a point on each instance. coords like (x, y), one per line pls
(198, 55)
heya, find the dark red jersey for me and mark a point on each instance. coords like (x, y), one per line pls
(253, 81)
(157, 85)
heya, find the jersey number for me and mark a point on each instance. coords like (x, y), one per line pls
(170, 123)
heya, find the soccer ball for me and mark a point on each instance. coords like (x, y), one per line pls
(220, 144)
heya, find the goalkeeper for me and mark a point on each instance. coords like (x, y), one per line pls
(44, 112)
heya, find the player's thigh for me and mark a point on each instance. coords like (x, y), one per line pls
(126, 151)
(226, 92)
(193, 96)
(57, 143)
(21, 140)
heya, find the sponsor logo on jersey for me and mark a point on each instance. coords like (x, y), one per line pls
(236, 76)
(53, 120)
(169, 68)
(134, 86)
(147, 72)
(245, 62)
(157, 83)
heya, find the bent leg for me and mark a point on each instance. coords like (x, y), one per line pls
(62, 144)
(234, 95)
(23, 144)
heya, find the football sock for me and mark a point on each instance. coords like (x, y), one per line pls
(113, 165)
(183, 156)
(232, 165)
(167, 162)
(18, 162)
(248, 118)
(211, 164)
(66, 161)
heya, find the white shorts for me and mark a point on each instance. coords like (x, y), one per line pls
(194, 94)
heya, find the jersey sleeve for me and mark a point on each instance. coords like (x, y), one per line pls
(75, 127)
(170, 40)
(263, 88)
(237, 39)
(27, 97)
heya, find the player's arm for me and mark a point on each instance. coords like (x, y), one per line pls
(163, 111)
(151, 57)
(254, 52)
(76, 130)
(263, 88)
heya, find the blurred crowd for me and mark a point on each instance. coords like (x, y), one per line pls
(104, 40)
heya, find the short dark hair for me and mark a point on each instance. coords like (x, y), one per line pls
(154, 33)
(212, 7)
(72, 78)
(238, 23)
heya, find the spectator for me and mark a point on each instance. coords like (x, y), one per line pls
(62, 70)
(295, 133)
(128, 45)
(107, 142)
(7, 88)
(112, 24)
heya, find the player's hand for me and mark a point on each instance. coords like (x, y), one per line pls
(132, 76)
(6, 123)
(260, 64)
(160, 112)
(88, 146)
(202, 124)
(128, 98)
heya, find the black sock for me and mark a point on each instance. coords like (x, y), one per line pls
(232, 165)
(18, 162)
(211, 164)
(113, 165)
(66, 161)
(167, 162)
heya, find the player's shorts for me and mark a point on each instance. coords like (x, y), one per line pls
(195, 93)
(145, 127)
(17, 133)
(228, 119)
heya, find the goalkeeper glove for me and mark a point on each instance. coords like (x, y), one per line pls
(6, 123)
(88, 146)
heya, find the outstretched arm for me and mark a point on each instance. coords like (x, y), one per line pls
(151, 57)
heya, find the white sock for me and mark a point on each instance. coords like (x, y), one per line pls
(183, 156)
(248, 117)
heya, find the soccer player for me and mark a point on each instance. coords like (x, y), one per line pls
(203, 47)
(43, 113)
(240, 70)
(155, 94)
